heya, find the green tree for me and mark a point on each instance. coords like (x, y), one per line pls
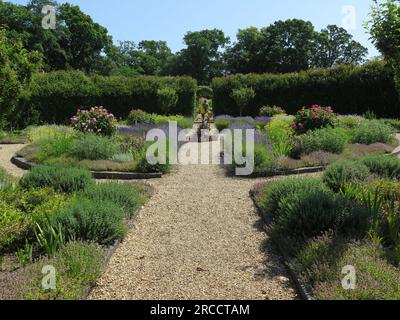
(385, 32)
(243, 98)
(202, 58)
(334, 45)
(244, 55)
(286, 46)
(16, 67)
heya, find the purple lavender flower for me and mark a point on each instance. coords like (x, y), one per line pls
(263, 120)
(225, 117)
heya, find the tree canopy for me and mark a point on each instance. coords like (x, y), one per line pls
(79, 43)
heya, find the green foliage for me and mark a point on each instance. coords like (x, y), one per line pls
(349, 122)
(331, 140)
(308, 213)
(243, 98)
(343, 172)
(78, 266)
(139, 116)
(127, 196)
(272, 193)
(383, 166)
(371, 87)
(13, 225)
(280, 133)
(68, 180)
(316, 117)
(167, 99)
(92, 220)
(205, 92)
(376, 278)
(96, 120)
(268, 111)
(70, 89)
(373, 131)
(50, 237)
(222, 124)
(94, 147)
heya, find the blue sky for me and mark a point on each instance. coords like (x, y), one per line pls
(170, 19)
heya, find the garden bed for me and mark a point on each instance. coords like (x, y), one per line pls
(62, 218)
(314, 139)
(347, 217)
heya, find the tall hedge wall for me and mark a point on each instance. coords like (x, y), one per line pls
(54, 97)
(348, 89)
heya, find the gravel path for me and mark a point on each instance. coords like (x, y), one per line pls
(6, 153)
(199, 237)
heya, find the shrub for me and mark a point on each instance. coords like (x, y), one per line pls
(205, 92)
(97, 120)
(327, 139)
(373, 131)
(307, 213)
(349, 122)
(315, 263)
(343, 172)
(66, 180)
(78, 267)
(69, 89)
(376, 278)
(93, 147)
(281, 134)
(139, 116)
(127, 196)
(315, 118)
(222, 124)
(268, 111)
(369, 86)
(44, 133)
(13, 225)
(383, 166)
(54, 147)
(272, 193)
(167, 99)
(92, 220)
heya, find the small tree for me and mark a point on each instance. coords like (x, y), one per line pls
(167, 99)
(16, 67)
(243, 97)
(385, 31)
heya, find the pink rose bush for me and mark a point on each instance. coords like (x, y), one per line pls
(96, 120)
(313, 118)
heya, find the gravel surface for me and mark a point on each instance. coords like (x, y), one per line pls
(6, 153)
(199, 237)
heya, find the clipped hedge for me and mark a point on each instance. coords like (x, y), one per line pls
(54, 97)
(348, 89)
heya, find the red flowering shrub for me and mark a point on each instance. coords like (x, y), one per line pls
(96, 120)
(314, 118)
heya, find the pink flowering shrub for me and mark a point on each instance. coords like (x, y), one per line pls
(314, 118)
(96, 120)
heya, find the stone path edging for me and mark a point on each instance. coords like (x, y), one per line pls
(22, 163)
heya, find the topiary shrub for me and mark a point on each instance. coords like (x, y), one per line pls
(373, 131)
(342, 172)
(68, 180)
(383, 166)
(126, 196)
(92, 220)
